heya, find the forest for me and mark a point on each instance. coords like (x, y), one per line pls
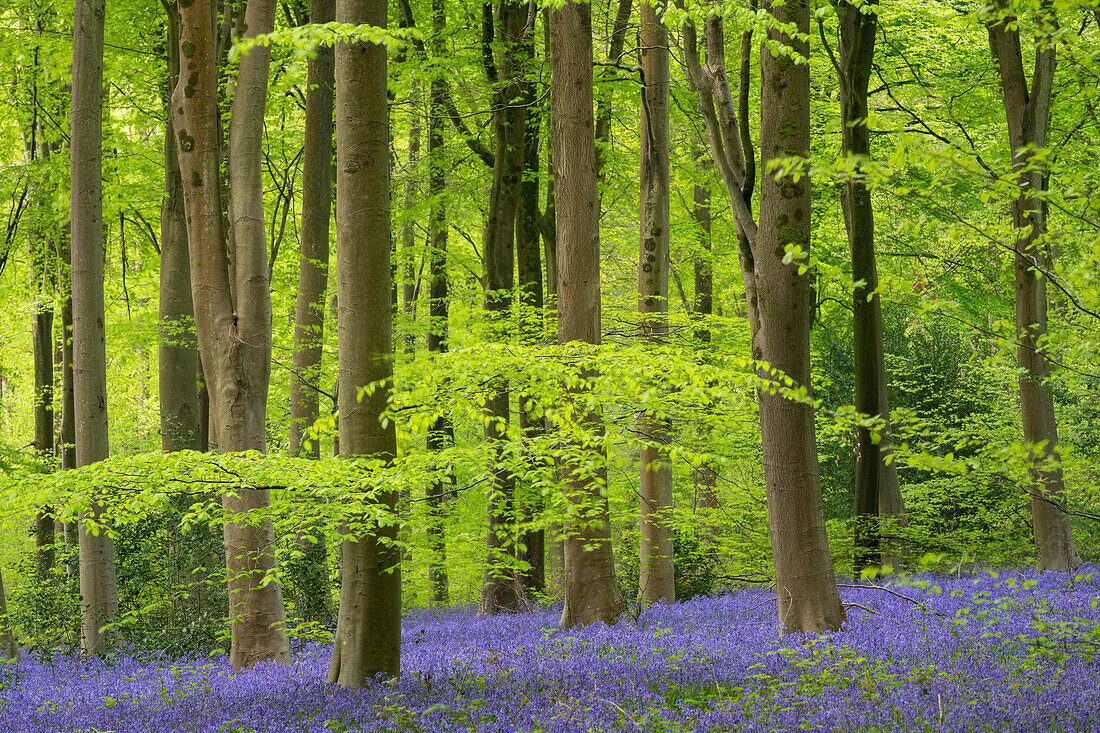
(571, 365)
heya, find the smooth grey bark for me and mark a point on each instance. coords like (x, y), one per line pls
(656, 580)
(98, 587)
(779, 300)
(1028, 114)
(368, 632)
(232, 301)
(591, 591)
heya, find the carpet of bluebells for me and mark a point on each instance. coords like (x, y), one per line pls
(1010, 651)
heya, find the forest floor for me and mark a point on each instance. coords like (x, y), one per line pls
(1009, 651)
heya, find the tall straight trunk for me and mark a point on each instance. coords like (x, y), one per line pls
(442, 434)
(310, 572)
(1028, 114)
(368, 632)
(804, 577)
(779, 299)
(876, 486)
(656, 581)
(706, 474)
(98, 588)
(591, 591)
(309, 310)
(232, 303)
(43, 277)
(500, 588)
(555, 549)
(529, 268)
(66, 432)
(178, 355)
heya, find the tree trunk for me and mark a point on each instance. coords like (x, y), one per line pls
(43, 277)
(66, 434)
(309, 311)
(804, 578)
(876, 486)
(8, 647)
(1028, 113)
(98, 589)
(178, 354)
(591, 591)
(779, 298)
(368, 633)
(706, 475)
(529, 266)
(656, 581)
(310, 572)
(232, 303)
(500, 589)
(548, 223)
(442, 434)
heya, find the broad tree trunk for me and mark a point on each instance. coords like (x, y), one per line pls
(779, 299)
(804, 577)
(591, 591)
(501, 589)
(442, 434)
(178, 355)
(1028, 113)
(232, 303)
(368, 632)
(309, 311)
(98, 588)
(656, 581)
(876, 486)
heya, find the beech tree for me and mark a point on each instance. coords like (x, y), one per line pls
(591, 591)
(442, 433)
(368, 631)
(778, 294)
(1028, 113)
(98, 587)
(178, 356)
(501, 588)
(232, 304)
(656, 581)
(876, 484)
(309, 310)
